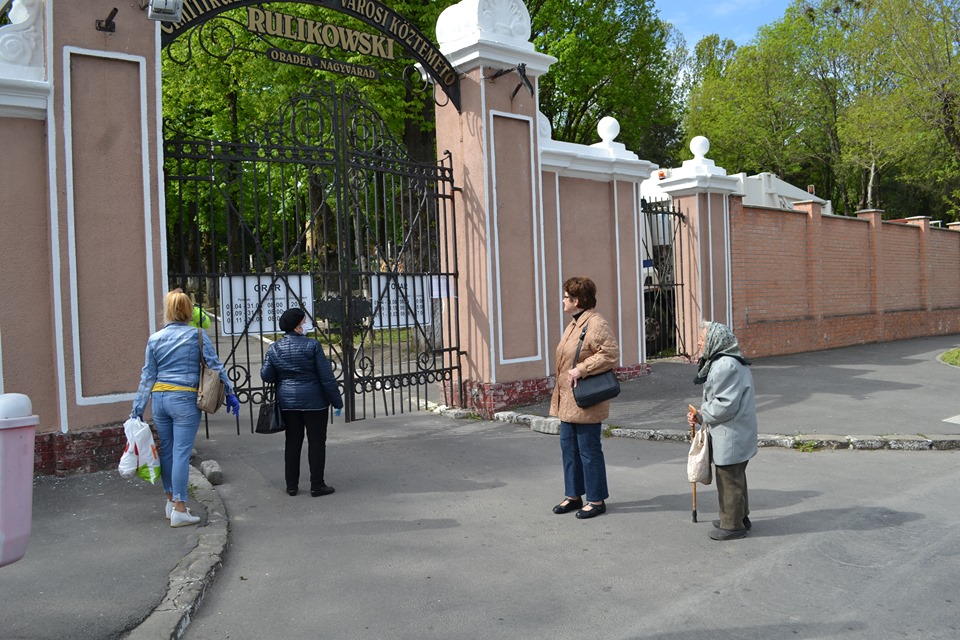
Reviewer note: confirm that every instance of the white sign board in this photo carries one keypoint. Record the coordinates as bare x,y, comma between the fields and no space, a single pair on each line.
240,295
400,301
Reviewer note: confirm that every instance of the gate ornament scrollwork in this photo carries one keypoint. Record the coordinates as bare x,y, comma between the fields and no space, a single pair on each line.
323,193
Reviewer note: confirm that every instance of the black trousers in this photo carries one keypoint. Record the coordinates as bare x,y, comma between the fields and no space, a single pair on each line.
732,492
314,423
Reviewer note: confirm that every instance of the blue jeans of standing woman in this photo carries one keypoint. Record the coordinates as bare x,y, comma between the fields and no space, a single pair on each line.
584,470
177,418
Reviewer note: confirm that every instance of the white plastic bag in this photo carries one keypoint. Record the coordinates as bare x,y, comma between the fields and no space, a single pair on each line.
140,456
698,460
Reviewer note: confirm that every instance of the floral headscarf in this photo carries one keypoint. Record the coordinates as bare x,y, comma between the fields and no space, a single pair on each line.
719,342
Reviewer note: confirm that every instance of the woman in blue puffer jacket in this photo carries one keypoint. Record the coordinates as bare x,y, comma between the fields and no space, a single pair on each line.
305,390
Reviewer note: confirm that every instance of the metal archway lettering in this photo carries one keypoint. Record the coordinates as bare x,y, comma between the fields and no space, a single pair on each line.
382,18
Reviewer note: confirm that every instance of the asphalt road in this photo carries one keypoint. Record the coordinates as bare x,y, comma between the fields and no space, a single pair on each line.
443,529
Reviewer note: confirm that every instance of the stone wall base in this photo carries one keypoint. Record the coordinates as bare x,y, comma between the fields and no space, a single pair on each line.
802,335
487,399
65,454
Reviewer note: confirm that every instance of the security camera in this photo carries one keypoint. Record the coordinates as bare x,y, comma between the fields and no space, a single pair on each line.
165,10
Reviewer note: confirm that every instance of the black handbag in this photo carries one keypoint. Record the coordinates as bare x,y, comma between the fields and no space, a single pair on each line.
270,419
594,389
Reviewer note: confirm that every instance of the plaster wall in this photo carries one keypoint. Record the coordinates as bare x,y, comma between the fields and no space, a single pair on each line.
27,352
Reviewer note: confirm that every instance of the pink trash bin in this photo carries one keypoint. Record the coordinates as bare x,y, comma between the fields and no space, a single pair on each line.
17,428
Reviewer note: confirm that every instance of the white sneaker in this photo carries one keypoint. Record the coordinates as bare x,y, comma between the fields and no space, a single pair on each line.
179,519
168,509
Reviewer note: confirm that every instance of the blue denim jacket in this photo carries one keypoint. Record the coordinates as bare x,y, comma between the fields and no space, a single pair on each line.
173,355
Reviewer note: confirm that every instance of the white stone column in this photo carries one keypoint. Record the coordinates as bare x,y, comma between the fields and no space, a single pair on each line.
494,145
705,194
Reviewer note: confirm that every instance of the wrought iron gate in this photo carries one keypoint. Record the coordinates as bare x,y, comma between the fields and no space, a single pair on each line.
321,208
663,297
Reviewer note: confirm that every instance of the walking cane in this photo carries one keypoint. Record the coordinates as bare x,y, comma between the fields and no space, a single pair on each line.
693,433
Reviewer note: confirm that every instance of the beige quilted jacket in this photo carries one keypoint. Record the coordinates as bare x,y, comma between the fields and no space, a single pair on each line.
600,353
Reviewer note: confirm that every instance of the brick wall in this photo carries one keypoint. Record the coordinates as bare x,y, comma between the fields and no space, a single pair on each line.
487,398
64,454
804,282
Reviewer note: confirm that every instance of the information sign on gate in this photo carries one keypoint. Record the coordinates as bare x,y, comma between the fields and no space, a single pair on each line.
400,301
241,295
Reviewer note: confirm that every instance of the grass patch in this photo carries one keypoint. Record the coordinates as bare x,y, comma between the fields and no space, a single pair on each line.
608,431
805,446
952,357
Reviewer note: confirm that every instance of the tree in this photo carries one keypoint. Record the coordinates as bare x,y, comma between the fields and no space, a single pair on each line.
612,60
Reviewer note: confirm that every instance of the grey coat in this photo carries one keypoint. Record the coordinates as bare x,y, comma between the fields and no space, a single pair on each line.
730,411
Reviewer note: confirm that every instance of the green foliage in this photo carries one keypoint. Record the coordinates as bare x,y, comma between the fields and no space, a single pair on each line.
860,98
952,357
217,78
612,60
805,446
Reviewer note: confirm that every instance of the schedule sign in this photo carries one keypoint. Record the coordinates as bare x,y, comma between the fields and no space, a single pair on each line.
401,301
241,295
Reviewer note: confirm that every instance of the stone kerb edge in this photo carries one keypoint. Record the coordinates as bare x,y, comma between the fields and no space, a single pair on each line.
904,442
194,573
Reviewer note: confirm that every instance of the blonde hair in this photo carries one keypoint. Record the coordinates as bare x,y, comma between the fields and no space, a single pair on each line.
177,307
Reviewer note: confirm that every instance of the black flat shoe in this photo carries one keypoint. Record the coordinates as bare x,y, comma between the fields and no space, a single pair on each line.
321,491
746,523
568,505
595,510
728,534
292,492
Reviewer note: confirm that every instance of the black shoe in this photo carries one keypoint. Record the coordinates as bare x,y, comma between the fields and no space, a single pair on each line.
322,490
595,510
568,505
292,492
746,523
728,534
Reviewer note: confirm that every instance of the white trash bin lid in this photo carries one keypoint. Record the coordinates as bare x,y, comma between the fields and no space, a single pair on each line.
16,411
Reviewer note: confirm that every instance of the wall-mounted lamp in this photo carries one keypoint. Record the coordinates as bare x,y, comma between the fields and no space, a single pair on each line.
165,10
108,25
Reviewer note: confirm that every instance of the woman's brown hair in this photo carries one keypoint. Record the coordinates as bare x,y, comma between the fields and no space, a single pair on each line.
177,307
583,289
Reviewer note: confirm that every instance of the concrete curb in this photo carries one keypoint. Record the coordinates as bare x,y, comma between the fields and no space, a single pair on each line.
192,576
801,442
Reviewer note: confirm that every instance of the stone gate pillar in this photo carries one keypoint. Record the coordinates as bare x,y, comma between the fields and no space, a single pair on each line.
494,144
706,195
81,246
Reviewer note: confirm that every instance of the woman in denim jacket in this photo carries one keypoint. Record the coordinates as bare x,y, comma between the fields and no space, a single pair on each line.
171,373
305,390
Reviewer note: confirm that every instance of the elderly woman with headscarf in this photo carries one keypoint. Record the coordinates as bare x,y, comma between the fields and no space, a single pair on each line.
306,388
730,412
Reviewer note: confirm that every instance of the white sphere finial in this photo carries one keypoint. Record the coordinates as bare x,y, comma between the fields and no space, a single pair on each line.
608,128
699,147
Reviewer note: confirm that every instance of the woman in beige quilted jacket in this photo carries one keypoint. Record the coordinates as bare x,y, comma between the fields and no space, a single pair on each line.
584,470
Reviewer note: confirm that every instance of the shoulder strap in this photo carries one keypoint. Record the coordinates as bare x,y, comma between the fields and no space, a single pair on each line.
200,340
583,334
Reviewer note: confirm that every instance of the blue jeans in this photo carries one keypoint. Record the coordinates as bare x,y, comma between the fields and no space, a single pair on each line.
584,470
177,418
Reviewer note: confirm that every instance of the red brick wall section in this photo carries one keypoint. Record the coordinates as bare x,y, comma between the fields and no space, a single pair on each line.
768,264
64,454
900,269
486,399
776,313
943,252
846,282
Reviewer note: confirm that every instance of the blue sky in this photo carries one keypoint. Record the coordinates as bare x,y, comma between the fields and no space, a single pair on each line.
734,19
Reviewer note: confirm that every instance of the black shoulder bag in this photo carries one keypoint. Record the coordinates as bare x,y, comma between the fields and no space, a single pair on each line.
597,388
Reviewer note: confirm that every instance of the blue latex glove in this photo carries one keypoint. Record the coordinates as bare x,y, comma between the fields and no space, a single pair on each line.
337,412
233,405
